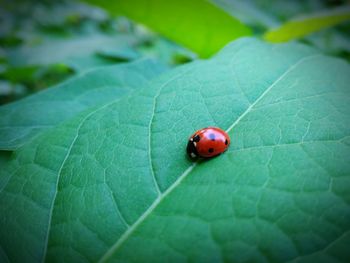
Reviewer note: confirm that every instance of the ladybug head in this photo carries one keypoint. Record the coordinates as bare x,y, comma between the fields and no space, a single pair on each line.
191,149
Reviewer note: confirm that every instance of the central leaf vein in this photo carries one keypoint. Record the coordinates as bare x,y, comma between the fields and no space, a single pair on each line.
133,227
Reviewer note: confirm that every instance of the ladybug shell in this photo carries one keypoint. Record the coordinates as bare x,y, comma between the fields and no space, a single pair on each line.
208,142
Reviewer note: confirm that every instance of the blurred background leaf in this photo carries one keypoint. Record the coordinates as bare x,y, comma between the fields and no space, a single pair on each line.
66,50
307,24
262,16
196,24
45,42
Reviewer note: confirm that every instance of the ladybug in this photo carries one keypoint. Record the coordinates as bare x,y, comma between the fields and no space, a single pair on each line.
208,142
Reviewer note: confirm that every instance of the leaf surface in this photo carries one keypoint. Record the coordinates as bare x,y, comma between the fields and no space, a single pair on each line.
114,184
24,119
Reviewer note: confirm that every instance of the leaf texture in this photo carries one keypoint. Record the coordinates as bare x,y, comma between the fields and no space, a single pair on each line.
114,184
24,119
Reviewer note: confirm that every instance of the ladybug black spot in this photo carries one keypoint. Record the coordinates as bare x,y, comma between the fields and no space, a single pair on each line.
196,138
210,150
211,136
226,142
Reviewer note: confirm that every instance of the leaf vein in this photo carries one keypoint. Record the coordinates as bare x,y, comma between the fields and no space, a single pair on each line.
60,171
285,144
125,236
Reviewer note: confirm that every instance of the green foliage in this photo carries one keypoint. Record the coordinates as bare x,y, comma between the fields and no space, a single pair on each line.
45,43
308,24
66,51
332,41
262,15
113,183
26,118
94,168
196,24
249,13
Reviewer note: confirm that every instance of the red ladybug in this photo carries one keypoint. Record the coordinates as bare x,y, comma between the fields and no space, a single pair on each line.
207,143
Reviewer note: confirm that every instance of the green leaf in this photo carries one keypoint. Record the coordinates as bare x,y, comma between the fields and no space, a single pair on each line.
81,64
167,52
308,24
66,50
26,118
196,24
114,183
